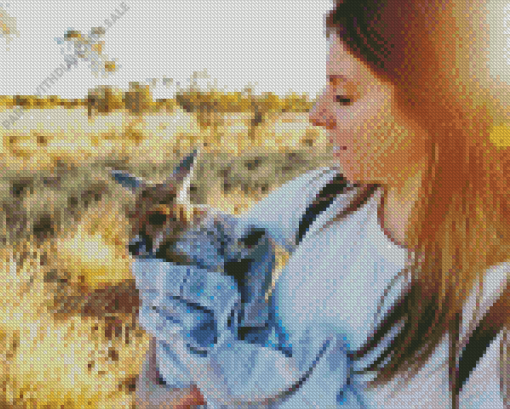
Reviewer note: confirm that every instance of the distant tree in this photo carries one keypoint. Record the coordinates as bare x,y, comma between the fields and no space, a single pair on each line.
104,99
139,98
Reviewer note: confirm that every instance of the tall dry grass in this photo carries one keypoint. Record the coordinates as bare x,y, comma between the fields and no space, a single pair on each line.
68,321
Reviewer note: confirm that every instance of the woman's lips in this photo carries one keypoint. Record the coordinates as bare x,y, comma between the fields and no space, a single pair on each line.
337,149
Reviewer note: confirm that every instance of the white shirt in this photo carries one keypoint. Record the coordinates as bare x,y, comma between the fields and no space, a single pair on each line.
325,302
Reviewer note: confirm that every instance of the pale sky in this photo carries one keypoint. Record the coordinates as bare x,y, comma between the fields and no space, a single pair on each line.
276,46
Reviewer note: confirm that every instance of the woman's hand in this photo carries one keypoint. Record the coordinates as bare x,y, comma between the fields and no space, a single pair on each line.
152,395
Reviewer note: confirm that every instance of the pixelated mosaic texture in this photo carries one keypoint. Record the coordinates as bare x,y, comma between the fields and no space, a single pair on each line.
69,302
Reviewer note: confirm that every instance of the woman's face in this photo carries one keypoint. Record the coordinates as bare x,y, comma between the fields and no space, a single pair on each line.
376,143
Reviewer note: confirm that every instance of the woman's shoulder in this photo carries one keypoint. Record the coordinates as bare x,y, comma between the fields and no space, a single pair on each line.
299,191
281,211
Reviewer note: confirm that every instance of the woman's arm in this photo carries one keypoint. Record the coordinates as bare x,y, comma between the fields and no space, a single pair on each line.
152,395
237,374
230,372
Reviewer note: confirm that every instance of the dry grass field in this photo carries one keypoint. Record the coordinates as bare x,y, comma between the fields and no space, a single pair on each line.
69,336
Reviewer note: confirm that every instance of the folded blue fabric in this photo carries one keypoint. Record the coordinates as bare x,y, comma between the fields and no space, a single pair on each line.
189,299
221,295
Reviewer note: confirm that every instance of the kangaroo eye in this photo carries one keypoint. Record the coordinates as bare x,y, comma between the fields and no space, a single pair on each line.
157,219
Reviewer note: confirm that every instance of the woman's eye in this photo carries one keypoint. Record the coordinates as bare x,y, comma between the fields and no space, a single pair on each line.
343,100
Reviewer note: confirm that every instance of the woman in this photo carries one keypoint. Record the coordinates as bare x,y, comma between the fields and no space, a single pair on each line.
375,305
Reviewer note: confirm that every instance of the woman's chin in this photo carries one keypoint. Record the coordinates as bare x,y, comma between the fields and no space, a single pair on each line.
357,178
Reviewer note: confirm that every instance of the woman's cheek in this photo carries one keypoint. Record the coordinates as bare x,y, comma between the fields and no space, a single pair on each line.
364,158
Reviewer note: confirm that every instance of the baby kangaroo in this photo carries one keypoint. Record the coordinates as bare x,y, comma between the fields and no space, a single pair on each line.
166,227
162,212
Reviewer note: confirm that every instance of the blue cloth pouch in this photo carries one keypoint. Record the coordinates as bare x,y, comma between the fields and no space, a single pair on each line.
223,291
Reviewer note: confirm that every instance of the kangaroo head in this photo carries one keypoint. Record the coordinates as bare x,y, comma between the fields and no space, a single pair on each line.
162,211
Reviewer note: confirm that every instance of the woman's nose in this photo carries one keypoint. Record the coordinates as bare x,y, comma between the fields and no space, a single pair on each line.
320,116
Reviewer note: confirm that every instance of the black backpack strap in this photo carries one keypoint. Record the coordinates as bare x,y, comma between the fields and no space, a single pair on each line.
474,351
322,201
481,338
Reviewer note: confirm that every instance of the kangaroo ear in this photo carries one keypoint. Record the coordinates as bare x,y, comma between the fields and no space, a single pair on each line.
127,180
182,175
185,168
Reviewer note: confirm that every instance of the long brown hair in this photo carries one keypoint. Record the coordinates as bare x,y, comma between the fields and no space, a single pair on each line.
460,225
